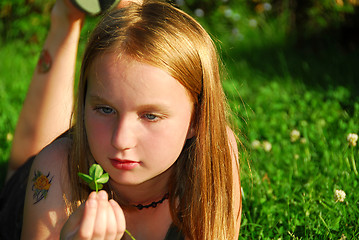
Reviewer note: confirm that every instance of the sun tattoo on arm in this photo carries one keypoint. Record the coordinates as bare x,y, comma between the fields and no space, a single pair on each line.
40,185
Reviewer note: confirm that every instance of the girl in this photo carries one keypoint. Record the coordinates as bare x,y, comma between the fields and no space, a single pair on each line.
151,111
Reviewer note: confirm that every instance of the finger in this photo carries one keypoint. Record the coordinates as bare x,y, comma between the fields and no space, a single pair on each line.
101,216
111,228
120,219
89,217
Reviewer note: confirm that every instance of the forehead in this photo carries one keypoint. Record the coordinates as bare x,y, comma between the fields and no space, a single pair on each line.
112,75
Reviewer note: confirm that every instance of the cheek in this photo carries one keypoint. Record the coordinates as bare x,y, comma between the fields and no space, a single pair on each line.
168,141
97,133
164,151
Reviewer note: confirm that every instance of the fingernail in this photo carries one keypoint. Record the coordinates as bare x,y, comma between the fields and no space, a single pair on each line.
92,202
102,195
93,195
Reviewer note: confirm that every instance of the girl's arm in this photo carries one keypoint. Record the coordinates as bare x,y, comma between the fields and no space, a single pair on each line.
44,209
47,109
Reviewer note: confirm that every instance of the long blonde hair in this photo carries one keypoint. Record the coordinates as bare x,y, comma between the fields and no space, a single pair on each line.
159,34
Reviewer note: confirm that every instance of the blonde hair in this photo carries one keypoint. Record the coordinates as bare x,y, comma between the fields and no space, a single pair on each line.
157,33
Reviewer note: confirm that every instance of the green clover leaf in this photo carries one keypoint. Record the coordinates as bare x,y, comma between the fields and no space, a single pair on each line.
86,178
96,177
96,171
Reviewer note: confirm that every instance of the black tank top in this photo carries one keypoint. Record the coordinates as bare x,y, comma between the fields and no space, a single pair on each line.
174,234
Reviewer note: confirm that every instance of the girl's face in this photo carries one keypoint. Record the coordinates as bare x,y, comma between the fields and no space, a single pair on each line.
137,119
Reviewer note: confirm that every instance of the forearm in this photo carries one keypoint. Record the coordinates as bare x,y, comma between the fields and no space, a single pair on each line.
48,105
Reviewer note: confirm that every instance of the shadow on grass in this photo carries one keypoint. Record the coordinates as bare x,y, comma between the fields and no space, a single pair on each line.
321,63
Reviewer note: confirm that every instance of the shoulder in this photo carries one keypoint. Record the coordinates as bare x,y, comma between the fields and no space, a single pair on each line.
52,163
232,141
54,155
44,210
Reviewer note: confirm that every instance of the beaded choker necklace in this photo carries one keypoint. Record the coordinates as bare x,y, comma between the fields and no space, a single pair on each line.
153,204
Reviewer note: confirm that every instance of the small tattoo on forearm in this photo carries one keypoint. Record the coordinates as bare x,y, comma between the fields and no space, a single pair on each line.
41,185
45,62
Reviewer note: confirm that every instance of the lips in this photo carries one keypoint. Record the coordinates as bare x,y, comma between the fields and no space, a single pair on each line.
124,164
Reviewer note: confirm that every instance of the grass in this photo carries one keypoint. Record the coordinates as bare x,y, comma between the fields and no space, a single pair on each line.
289,189
273,88
16,67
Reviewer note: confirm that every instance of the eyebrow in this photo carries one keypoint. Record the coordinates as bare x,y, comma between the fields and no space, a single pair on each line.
161,107
96,98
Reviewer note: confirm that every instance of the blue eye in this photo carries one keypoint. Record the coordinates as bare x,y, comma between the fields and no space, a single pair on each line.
150,117
105,110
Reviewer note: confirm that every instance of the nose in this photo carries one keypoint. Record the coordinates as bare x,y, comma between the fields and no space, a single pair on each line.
123,136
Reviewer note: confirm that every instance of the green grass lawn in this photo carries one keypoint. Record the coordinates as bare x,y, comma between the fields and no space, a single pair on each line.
17,63
273,88
289,181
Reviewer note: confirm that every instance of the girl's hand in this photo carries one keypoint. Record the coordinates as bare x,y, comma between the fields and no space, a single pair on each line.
97,218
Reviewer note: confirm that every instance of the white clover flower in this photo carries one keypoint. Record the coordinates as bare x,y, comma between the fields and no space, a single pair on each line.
339,195
236,16
199,12
267,7
352,138
9,137
253,23
303,140
267,146
228,12
294,135
256,144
